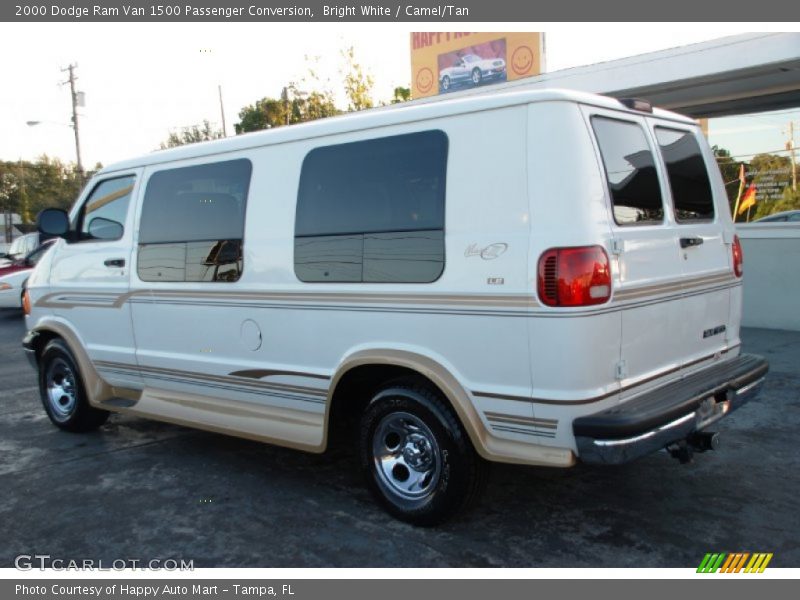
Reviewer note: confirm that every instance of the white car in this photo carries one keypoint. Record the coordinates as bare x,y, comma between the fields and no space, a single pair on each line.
472,69
11,288
13,277
19,248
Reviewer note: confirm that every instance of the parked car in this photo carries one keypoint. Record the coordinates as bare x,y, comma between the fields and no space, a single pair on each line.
580,301
14,276
473,69
26,262
790,216
20,248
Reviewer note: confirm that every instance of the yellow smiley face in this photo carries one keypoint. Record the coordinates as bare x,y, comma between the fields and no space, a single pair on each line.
522,60
425,80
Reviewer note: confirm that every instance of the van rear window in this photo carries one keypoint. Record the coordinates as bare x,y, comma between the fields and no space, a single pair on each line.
630,172
373,211
688,176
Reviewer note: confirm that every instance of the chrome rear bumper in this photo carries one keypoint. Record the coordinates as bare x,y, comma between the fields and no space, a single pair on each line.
670,413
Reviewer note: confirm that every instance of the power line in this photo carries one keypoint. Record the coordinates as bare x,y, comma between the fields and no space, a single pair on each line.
751,154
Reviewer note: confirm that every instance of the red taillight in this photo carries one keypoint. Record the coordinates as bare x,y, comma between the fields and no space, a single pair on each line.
738,257
574,276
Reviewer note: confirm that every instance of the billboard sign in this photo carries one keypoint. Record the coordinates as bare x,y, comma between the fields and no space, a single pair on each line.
443,62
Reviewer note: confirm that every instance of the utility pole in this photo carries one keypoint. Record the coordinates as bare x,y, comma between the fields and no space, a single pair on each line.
222,112
790,148
71,68
285,98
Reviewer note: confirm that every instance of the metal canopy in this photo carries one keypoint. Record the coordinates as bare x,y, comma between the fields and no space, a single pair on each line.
727,76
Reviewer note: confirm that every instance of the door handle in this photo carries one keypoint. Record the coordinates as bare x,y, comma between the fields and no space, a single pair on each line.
114,262
688,242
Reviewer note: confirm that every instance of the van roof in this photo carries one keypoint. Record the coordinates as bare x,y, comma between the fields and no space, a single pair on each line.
374,118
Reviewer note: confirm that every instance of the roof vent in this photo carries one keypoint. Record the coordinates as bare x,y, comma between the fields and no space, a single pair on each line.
637,104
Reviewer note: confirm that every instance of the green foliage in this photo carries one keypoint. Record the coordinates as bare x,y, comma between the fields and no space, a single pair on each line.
357,83
312,98
401,94
729,169
295,107
264,114
29,187
772,175
192,135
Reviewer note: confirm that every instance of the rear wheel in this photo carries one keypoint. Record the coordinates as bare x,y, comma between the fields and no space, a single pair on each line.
417,459
63,393
445,83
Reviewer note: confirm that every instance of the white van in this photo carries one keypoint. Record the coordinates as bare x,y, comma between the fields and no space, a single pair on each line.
535,278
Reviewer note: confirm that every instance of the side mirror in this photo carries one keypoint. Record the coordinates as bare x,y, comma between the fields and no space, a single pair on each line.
53,222
105,229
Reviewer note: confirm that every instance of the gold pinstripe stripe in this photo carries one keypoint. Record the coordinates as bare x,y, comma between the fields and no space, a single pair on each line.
244,382
495,417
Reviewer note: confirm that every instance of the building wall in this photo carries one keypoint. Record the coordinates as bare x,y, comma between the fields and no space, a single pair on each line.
771,275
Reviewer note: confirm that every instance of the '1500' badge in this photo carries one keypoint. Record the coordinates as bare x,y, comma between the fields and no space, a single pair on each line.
713,331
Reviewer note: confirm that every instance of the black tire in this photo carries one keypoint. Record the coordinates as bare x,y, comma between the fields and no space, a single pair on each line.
477,76
445,83
416,457
63,393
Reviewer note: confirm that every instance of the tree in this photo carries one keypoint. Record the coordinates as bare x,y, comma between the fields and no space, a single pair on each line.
729,169
294,107
357,83
28,187
772,176
192,135
315,99
401,94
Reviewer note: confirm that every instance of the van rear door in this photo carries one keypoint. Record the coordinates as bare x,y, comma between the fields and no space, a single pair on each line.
647,285
705,235
669,245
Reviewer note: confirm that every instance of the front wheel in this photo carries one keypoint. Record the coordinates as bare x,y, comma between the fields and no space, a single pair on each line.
63,393
417,459
477,76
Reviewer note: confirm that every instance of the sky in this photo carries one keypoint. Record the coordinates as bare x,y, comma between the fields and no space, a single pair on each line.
144,80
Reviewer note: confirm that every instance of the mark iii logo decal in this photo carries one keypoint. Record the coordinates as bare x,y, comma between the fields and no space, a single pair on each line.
489,252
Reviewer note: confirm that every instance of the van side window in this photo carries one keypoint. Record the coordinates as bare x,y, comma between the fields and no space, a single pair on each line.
102,217
192,224
630,172
373,211
688,176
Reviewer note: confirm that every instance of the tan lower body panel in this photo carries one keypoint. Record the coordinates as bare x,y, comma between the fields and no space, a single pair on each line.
281,426
292,428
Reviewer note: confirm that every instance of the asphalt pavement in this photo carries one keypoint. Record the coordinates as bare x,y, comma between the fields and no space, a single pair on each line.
142,490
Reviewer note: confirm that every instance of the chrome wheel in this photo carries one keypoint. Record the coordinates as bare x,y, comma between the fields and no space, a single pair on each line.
61,389
476,76
407,456
446,83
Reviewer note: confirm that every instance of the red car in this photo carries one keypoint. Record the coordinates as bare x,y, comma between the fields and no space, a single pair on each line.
28,262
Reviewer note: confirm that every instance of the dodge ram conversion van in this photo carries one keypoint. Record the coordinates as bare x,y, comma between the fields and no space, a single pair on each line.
536,278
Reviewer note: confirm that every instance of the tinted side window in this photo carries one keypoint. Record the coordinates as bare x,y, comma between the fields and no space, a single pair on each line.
688,177
630,172
103,214
373,211
192,224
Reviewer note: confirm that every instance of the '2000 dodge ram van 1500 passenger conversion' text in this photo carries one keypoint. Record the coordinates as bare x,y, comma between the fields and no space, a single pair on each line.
536,278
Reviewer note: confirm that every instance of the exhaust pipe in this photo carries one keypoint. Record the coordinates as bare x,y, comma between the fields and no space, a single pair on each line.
701,441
